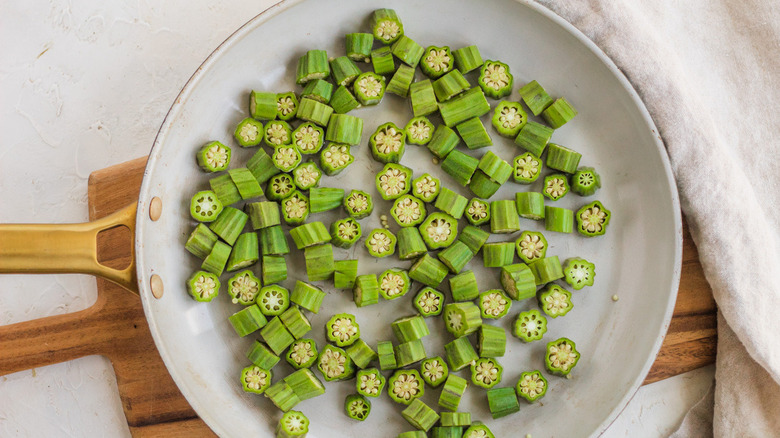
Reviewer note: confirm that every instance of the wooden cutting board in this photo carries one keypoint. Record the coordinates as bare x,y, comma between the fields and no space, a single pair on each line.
115,326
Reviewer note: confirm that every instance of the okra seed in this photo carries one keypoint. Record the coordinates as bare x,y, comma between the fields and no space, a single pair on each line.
435,160
615,298
155,209
383,217
157,286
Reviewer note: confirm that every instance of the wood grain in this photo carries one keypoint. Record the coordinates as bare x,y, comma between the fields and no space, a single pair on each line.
115,326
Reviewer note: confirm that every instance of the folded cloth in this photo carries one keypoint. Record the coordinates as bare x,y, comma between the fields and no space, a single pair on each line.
709,73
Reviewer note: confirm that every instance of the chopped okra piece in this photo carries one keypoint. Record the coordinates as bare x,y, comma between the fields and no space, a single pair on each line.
555,301
305,384
286,105
307,296
456,419
429,302
464,286
335,158
495,79
518,281
358,204
273,241
436,61
245,182
386,26
478,430
358,46
531,245
201,241
295,321
450,85
295,208
502,402
460,166
451,203
249,133
343,101
408,211
246,252
404,386
213,157
530,205
344,70
401,81
293,424
361,353
273,300
410,328
474,134
276,336
205,206
335,364
509,118
504,217
386,353
248,320
419,131
462,319
393,181
434,371
473,237
560,220
439,230
561,356
410,352
369,88
277,133
255,379
422,98
420,415
556,186
486,372
492,341
319,262
343,128
426,187
286,158
482,185
314,111
319,90
562,158
527,168
370,382
261,356
282,396
325,198
477,211
382,60
558,113
203,286
592,219
342,329
408,51
262,105
578,272
535,97
453,390
534,137
460,353
357,407
495,167
444,140
410,243
546,270
412,434
494,304
380,242
428,271
393,283
456,256
307,175
345,232
345,273
365,292
229,224
585,181
263,214
387,143
313,65
467,59
274,269
262,166
530,326
532,386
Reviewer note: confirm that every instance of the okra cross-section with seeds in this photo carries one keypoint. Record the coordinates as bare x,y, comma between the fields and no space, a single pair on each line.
578,272
532,386
293,424
358,204
429,302
530,326
387,143
426,187
203,286
302,354
404,386
527,168
370,382
342,329
286,105
478,430
295,208
434,371
205,206
494,304
585,181
345,232
408,211
592,219
213,157
561,356
419,130
279,187
286,158
307,175
380,242
273,300
386,26
556,186
478,211
436,61
486,372
509,118
255,379
277,133
439,230
357,407
495,79
244,288
335,364
335,158
308,138
393,181
555,301
369,88
249,132
461,319
393,283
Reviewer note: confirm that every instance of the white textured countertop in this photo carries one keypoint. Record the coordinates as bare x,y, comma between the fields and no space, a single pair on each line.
85,85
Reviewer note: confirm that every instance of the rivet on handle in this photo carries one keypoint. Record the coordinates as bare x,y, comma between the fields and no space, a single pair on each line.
157,286
155,208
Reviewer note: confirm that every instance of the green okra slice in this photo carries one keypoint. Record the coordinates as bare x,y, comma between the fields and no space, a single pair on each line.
426,187
286,158
495,167
486,372
345,232
245,253
464,286
534,137
295,208
518,281
262,105
473,237
451,393
201,241
344,70
422,98
263,214
273,241
244,288
387,143
429,302
447,432
361,353
493,304
365,292
456,419
286,105
393,283
405,386
319,90
531,245
386,353
380,242
478,211
535,97
262,356
345,273
434,371
343,128
307,296
369,88
482,185
357,407
343,101
467,59
248,320
492,341
556,186
205,206
249,133
555,301
408,211
530,326
370,382
382,60
437,61
407,51
502,402
509,118
560,220
460,353
245,182
335,158
282,396
561,356
311,110
401,81
592,219
585,181
313,65
335,364
325,198
295,322
504,217
276,336
527,168
213,157
217,259
546,270
474,134
307,175
408,353
277,133
531,386
319,262
358,204
450,85
262,166
410,328
558,113
358,46
495,79
419,131
386,26
255,379
478,430
305,384
462,318
456,256
410,243
393,181
203,286
562,158
274,269
578,272
439,230
460,166
342,329
420,415
530,205
273,300
444,140
428,271
451,202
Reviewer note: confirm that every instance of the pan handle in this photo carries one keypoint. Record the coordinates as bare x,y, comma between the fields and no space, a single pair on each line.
65,248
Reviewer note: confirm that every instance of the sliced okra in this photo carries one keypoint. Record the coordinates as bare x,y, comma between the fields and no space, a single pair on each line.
380,242
386,26
420,415
450,85
305,384
345,273
393,181
426,187
478,430
531,245
319,262
343,128
286,105
344,70
534,137
229,224
429,302
245,182
273,241
451,393
558,113
307,175
504,217
365,292
313,65
495,79
410,328
562,158
492,341
502,402
386,353
467,59
261,356
205,206
358,46
473,237
245,253
276,336
248,320
201,241
578,272
244,288
509,118
262,105
556,186
535,97
319,90
460,353
518,281
369,88
434,371
343,101
263,214
249,133
592,219
282,396
357,407
273,300
382,60
286,158
495,167
401,81
408,353
262,166
561,220
532,386
393,283
555,301
474,134
456,256
203,286
410,243
307,296
295,322
428,271
561,356
370,382
460,166
422,98
486,372
419,131
408,211
444,140
295,208
527,168
478,211
345,232
530,326
335,158
325,198
493,304
213,157
530,205
277,133
408,51
274,269
311,110
387,143
342,329
255,379
456,419
462,319
404,386
585,181
546,270
293,424
439,230
463,286
482,185
361,353
436,61
451,202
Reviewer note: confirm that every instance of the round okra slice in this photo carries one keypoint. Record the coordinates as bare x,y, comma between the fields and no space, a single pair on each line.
532,386
244,288
357,407
345,232
578,272
478,430
434,371
308,138
342,329
556,186
249,133
279,187
393,181
486,372
439,230
369,88
561,356
273,300
509,118
286,105
205,206
335,364
494,304
213,157
380,242
370,382
286,158
386,26
335,158
293,424
203,286
461,319
358,204
255,379
302,354
478,211
592,219
295,208
429,302
387,143
404,386
436,61
555,301
531,245
426,187
527,168
419,131
495,79
394,283
530,326
585,181
307,175
408,211
277,133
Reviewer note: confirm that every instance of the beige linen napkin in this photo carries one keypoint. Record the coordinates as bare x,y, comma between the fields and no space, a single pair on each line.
709,73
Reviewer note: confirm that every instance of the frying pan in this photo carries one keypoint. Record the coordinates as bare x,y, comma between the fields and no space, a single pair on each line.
638,259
